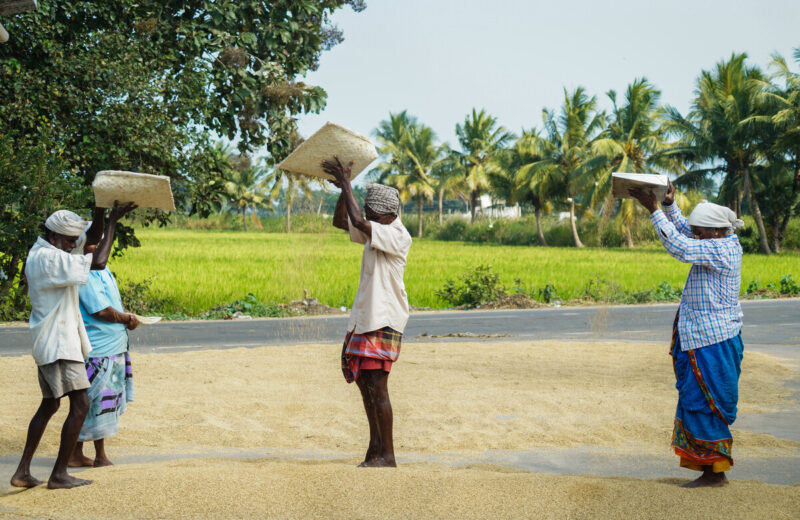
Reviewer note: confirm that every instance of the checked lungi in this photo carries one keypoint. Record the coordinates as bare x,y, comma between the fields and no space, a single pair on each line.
375,350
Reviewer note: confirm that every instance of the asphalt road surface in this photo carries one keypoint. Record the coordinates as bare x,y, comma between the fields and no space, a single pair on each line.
774,324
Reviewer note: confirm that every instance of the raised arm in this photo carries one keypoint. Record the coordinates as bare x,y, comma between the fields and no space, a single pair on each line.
101,254
673,213
95,232
342,175
681,247
340,213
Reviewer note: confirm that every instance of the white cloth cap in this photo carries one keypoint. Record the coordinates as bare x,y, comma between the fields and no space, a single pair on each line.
65,222
710,215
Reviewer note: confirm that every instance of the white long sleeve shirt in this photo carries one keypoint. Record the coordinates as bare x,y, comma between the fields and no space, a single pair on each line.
53,278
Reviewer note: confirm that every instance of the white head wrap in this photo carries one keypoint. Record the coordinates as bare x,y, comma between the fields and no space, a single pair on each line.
382,199
65,222
710,215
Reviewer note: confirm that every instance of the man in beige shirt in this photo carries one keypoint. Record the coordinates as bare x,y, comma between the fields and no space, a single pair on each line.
380,310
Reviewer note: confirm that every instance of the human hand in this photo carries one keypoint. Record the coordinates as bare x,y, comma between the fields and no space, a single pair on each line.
669,197
119,210
338,171
132,323
645,197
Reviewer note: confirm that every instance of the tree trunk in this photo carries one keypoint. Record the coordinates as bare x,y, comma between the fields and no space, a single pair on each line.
780,230
419,213
473,201
288,217
575,236
441,196
244,220
751,199
628,237
537,211
319,208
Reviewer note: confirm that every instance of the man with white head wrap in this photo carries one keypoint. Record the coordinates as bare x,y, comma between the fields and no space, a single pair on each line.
706,342
54,269
380,310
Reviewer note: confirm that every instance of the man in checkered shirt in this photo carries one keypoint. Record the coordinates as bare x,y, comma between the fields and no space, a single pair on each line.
706,344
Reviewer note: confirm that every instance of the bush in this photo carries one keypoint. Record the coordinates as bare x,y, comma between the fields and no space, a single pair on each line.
476,286
138,298
789,286
250,306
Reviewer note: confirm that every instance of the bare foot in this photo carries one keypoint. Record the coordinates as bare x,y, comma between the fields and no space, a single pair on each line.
378,463
102,462
25,480
80,461
708,479
66,482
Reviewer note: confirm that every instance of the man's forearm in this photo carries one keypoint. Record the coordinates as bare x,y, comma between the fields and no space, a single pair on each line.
113,315
101,254
340,213
353,211
95,231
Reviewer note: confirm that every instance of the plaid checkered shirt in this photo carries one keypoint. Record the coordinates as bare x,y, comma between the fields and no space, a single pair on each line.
709,310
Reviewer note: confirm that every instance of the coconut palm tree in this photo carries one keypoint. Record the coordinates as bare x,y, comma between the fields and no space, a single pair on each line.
291,186
448,178
565,163
782,122
411,154
716,134
633,142
244,190
480,138
515,184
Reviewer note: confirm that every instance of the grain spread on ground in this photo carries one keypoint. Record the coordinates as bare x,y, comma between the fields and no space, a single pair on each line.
291,403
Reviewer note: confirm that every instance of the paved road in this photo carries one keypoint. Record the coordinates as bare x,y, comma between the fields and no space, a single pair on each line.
773,323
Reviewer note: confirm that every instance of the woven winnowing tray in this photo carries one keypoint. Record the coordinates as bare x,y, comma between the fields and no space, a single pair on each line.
622,182
330,140
144,190
9,7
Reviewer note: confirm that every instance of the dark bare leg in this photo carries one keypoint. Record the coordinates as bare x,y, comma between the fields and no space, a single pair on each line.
78,408
78,459
708,479
100,457
374,448
22,477
377,386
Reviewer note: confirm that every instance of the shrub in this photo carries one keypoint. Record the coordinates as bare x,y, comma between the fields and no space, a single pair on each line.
476,286
788,285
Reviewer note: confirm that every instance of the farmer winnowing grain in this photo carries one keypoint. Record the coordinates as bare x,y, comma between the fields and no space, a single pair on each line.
706,340
380,310
54,269
109,365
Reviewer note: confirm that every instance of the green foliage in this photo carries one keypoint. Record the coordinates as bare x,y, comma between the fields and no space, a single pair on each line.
789,286
34,184
476,286
547,294
138,297
250,306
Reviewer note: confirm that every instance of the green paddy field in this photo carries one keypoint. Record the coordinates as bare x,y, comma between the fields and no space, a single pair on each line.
198,270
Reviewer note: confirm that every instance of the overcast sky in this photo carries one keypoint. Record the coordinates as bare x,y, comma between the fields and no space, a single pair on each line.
441,58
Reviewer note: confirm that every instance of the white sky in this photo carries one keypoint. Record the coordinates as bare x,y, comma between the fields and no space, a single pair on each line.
441,58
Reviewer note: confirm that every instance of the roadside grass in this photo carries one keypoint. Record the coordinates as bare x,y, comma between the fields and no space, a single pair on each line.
194,271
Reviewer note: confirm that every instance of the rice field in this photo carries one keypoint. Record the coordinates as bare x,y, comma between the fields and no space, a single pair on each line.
198,270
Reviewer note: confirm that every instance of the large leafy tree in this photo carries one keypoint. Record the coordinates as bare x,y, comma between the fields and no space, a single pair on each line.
565,163
480,138
145,85
633,142
716,135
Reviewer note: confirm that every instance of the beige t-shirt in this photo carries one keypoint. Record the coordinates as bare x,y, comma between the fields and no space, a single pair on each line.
381,300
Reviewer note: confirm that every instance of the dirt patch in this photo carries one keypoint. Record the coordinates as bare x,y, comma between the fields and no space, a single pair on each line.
514,301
